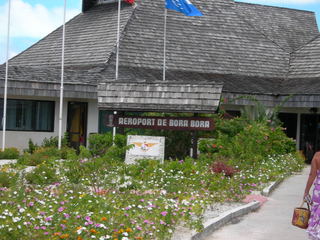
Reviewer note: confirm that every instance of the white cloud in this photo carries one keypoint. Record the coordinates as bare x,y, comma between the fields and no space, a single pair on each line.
285,1
32,21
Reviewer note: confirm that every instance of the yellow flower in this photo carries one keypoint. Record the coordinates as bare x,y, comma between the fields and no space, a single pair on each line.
66,235
128,230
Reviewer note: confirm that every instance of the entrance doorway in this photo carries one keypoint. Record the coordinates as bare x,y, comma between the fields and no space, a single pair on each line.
77,123
310,135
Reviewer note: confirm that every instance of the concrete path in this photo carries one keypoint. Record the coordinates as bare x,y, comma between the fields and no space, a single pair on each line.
273,220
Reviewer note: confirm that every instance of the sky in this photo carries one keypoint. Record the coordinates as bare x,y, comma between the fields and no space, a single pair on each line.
32,20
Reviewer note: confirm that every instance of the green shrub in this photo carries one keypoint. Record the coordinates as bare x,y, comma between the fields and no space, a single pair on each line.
31,146
101,144
53,141
84,152
9,153
68,153
8,179
43,174
40,155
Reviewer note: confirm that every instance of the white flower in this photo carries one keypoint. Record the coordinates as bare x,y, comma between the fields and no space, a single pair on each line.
21,210
16,219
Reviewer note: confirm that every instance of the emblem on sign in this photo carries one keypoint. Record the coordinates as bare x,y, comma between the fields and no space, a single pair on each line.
144,146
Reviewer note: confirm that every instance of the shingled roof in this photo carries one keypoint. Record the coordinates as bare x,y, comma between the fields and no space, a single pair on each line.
305,63
33,81
248,47
160,96
288,28
90,39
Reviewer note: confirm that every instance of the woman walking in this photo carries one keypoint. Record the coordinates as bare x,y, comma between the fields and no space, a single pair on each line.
313,229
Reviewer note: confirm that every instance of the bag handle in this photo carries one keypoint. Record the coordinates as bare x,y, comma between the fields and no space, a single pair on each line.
308,205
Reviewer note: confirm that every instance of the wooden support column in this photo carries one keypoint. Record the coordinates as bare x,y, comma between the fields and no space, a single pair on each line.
121,129
195,141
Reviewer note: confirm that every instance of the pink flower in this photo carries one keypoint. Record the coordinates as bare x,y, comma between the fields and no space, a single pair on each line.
30,204
162,222
60,209
164,213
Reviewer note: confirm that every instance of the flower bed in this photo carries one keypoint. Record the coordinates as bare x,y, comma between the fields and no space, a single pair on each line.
94,195
142,201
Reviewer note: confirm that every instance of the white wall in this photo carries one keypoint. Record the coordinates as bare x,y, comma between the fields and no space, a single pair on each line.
93,117
19,139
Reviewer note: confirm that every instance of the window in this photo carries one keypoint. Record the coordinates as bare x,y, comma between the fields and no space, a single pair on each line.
29,115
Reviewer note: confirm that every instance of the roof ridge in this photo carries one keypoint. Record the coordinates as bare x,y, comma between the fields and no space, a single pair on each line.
285,8
122,34
259,31
307,43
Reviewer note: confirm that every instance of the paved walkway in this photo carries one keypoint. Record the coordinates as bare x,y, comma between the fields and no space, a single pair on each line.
273,219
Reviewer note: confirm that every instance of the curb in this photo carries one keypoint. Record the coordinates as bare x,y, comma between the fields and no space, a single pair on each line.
268,190
7,161
213,224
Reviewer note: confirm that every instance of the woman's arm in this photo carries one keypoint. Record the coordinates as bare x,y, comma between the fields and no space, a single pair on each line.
312,174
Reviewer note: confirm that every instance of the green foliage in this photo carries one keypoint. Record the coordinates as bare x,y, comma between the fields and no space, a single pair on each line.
40,155
84,152
242,141
53,141
8,179
9,153
43,174
68,153
31,146
101,145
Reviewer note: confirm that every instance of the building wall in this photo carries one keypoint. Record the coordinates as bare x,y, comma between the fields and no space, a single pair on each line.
19,139
93,117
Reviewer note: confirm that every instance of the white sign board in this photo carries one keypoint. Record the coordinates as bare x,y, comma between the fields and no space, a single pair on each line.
145,147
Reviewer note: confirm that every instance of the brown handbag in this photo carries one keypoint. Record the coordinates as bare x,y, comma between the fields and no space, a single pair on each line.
301,216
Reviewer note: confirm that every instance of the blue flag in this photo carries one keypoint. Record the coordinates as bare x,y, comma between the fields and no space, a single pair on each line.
183,6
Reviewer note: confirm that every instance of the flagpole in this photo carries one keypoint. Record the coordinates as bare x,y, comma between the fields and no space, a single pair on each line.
164,44
114,129
118,39
62,74
4,118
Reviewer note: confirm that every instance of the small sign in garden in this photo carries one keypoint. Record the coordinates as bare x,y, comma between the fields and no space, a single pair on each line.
145,147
